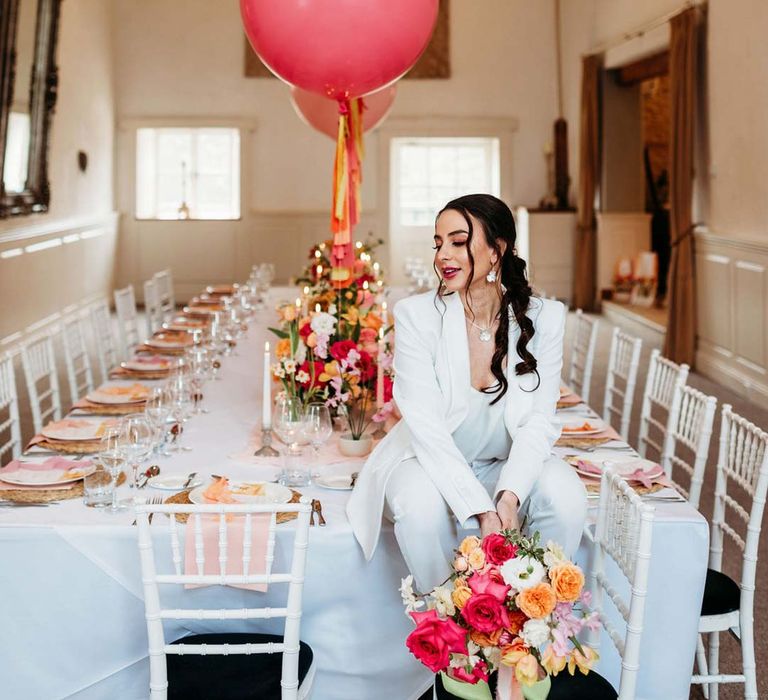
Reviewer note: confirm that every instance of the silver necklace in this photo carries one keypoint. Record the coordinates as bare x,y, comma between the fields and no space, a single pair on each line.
485,333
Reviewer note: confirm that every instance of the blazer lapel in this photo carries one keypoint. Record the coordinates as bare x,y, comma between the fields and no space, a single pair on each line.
453,370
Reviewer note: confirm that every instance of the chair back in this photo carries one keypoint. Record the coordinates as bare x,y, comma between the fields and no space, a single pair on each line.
127,320
101,325
76,359
583,354
10,429
623,533
664,376
39,363
153,312
164,285
623,363
742,462
691,430
226,515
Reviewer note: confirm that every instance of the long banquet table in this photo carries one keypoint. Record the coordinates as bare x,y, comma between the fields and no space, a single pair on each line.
71,611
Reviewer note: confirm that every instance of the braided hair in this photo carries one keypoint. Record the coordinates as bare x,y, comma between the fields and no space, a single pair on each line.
498,224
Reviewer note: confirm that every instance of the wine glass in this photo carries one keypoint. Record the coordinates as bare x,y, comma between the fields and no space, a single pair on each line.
112,458
317,429
182,404
289,424
136,441
158,410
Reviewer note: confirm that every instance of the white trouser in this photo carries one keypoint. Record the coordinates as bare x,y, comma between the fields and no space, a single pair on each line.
427,532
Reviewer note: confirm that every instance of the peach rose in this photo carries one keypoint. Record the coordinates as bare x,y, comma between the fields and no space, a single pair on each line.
312,340
469,544
512,653
476,559
460,564
567,581
289,313
461,593
527,670
486,640
537,601
283,348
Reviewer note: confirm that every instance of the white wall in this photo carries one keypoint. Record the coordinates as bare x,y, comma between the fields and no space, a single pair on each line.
190,64
36,284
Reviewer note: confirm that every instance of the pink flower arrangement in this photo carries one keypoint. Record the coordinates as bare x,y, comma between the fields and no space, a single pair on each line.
509,603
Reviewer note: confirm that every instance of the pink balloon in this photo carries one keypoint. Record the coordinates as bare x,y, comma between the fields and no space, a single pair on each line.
339,48
322,113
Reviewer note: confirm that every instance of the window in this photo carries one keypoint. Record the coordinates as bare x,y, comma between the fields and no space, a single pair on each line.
16,152
428,172
188,173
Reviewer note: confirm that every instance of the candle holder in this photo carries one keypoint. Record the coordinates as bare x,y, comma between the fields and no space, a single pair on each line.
266,449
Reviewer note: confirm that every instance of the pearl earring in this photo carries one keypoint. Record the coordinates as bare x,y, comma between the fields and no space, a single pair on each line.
491,276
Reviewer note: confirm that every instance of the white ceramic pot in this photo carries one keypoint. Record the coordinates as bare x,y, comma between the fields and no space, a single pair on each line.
355,448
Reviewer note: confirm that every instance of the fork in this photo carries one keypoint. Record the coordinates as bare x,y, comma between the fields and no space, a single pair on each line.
154,501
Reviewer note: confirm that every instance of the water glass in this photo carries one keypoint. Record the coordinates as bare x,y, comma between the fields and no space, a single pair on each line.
288,422
136,441
98,488
111,457
318,427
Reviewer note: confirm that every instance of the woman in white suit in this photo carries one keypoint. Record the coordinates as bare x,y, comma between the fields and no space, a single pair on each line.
477,379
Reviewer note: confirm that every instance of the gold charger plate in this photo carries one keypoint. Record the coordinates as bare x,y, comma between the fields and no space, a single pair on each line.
46,495
182,498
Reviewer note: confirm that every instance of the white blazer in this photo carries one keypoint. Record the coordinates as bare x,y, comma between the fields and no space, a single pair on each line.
432,386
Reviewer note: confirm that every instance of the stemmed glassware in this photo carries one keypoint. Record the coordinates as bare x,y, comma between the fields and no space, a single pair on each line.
136,440
158,411
180,394
112,458
318,427
289,423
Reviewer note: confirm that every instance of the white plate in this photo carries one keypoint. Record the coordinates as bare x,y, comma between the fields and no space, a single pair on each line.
621,464
147,366
53,477
75,429
162,343
100,396
336,482
598,426
273,493
173,482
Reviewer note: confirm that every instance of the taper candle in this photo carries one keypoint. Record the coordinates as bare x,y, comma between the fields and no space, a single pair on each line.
380,371
266,392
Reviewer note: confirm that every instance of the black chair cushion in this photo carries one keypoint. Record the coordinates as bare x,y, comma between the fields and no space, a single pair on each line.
721,594
580,687
231,677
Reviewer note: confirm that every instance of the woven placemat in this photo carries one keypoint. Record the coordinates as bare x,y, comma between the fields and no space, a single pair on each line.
153,350
182,498
581,443
46,495
71,447
122,373
104,409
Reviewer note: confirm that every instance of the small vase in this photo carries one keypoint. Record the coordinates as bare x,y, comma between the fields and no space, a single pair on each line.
350,447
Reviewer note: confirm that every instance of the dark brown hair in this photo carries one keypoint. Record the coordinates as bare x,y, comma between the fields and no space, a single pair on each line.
498,225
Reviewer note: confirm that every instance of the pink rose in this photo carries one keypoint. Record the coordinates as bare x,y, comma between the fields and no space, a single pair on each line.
479,672
490,583
497,549
369,340
485,613
434,639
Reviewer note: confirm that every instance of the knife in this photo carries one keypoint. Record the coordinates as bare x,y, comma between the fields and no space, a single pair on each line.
189,480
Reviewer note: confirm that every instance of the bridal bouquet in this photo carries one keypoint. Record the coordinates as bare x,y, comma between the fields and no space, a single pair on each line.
510,606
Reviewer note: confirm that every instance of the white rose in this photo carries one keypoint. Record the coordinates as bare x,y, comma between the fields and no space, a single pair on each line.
522,572
535,633
322,323
440,600
554,554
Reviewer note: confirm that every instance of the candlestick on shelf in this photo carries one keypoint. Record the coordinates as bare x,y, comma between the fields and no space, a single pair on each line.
266,449
318,254
365,285
380,432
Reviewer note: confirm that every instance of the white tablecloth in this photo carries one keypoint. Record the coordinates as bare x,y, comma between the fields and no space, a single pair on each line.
72,617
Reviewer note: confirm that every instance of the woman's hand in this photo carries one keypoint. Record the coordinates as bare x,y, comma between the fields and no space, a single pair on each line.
489,522
506,509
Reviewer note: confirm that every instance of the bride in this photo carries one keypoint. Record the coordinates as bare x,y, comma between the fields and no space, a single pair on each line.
477,378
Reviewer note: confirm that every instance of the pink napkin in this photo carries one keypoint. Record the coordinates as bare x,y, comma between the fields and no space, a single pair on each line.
149,359
235,535
608,433
643,476
570,399
47,465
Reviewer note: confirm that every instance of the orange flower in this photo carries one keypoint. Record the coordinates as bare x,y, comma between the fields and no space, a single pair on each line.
283,348
567,580
469,544
527,670
486,640
312,340
461,593
517,619
537,601
583,662
371,320
551,662
289,312
476,559
512,653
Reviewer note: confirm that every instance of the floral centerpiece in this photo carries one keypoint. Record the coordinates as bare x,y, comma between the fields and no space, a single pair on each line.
318,271
511,606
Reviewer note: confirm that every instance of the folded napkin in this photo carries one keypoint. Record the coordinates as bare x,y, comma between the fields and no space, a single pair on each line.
218,492
135,391
44,468
150,359
645,477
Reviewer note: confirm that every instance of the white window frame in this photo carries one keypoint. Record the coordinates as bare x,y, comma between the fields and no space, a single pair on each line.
402,242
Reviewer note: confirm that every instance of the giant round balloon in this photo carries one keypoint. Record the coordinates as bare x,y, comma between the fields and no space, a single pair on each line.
322,113
339,48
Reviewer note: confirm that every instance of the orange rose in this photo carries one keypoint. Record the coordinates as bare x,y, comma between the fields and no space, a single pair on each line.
516,621
289,313
371,320
567,580
512,653
486,640
476,559
537,601
283,348
312,340
461,593
468,545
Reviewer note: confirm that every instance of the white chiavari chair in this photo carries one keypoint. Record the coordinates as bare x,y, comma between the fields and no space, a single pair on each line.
101,325
164,283
9,412
582,354
690,429
127,320
153,311
273,664
624,533
76,359
664,376
742,463
623,363
39,363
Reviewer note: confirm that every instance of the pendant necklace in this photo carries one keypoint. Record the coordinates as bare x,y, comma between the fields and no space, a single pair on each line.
485,333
